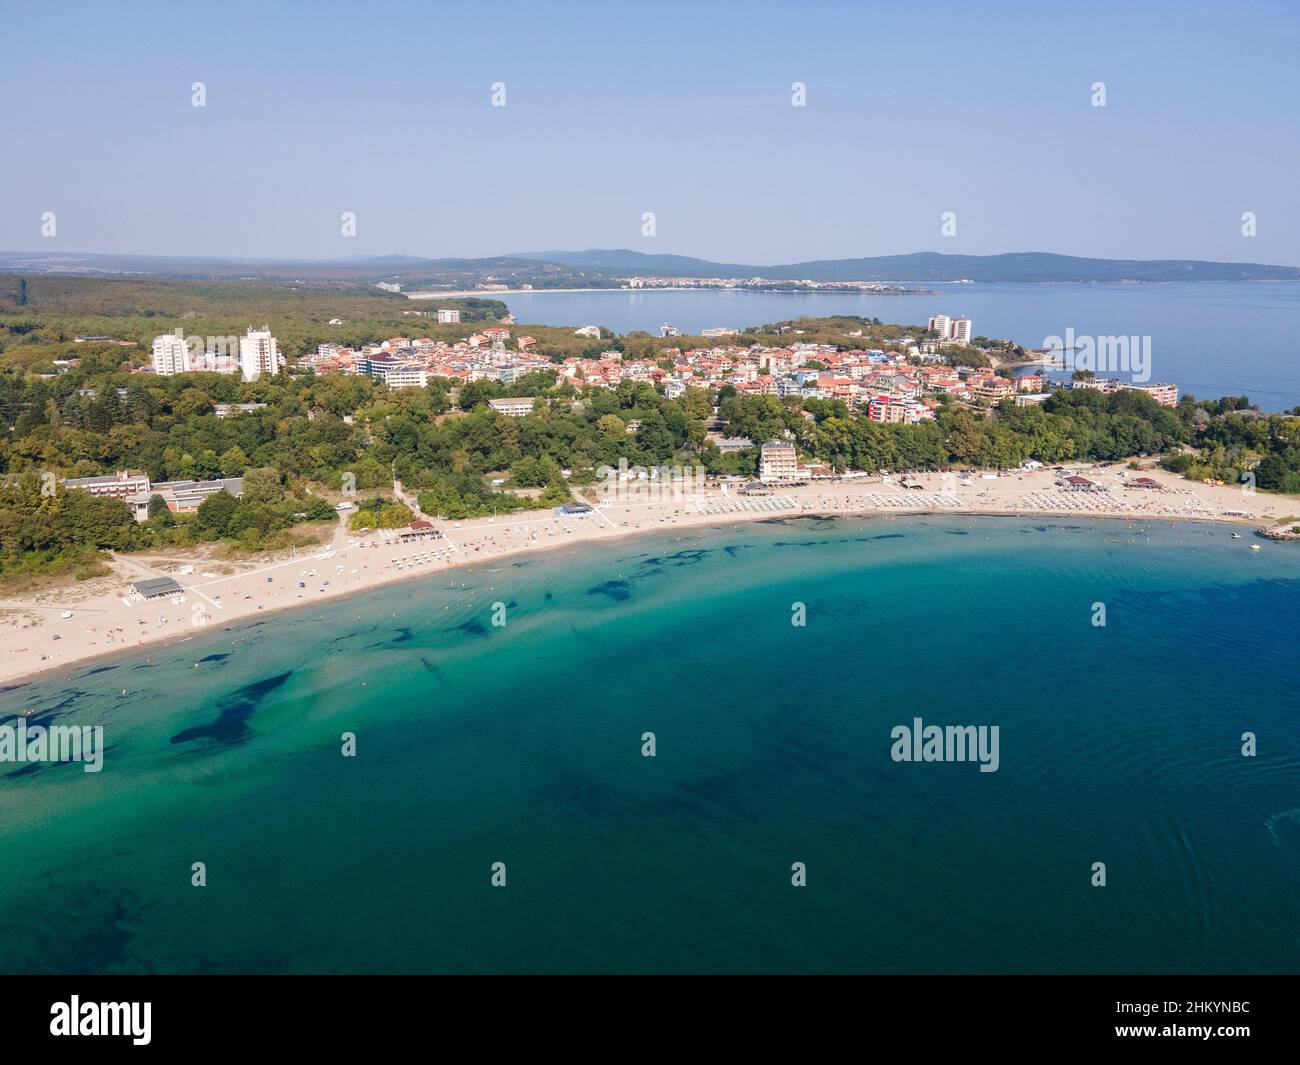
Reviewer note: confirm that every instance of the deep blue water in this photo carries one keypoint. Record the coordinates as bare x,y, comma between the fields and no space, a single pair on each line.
522,744
1210,339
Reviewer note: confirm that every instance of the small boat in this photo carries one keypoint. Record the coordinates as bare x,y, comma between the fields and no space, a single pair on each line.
1236,536
1254,547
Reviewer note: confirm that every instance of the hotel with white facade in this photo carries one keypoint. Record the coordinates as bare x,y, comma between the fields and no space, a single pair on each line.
258,354
171,355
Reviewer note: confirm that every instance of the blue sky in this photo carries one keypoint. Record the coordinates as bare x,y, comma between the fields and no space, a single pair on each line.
682,109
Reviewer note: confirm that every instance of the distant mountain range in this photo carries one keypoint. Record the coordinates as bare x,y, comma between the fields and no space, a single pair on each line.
605,268
926,266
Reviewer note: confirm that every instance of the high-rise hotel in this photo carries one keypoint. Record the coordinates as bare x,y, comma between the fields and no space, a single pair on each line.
956,330
171,355
258,354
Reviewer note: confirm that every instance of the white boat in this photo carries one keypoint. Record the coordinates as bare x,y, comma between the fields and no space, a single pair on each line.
1236,536
1254,547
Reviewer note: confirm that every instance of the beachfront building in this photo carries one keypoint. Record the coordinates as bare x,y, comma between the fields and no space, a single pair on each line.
777,461
420,529
729,445
519,407
121,484
171,355
258,354
155,588
183,497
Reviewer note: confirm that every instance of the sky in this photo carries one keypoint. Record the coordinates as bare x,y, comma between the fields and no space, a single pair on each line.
684,110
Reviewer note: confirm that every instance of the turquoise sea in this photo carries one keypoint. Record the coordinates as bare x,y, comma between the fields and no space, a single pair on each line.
522,744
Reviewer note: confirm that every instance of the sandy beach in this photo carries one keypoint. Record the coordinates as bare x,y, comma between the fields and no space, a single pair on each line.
36,638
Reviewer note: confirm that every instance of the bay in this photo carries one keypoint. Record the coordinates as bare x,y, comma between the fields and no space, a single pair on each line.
522,744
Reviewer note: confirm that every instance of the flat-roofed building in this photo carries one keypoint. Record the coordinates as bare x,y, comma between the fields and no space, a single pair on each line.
225,410
120,484
519,407
777,461
155,588
171,355
258,354
184,497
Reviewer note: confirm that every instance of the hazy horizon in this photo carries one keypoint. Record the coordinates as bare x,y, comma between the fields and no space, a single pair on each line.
718,259
684,111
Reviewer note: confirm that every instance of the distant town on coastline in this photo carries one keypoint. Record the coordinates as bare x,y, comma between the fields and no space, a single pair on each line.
246,428
624,268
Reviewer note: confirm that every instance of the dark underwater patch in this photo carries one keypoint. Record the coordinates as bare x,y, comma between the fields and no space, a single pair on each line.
216,658
890,536
473,628
100,669
619,591
686,557
231,724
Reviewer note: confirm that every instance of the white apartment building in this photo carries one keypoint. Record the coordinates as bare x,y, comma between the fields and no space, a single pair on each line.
171,355
258,354
448,316
957,330
120,484
777,462
404,377
519,407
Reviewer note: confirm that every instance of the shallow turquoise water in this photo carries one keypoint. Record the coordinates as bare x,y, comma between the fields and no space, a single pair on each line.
522,744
